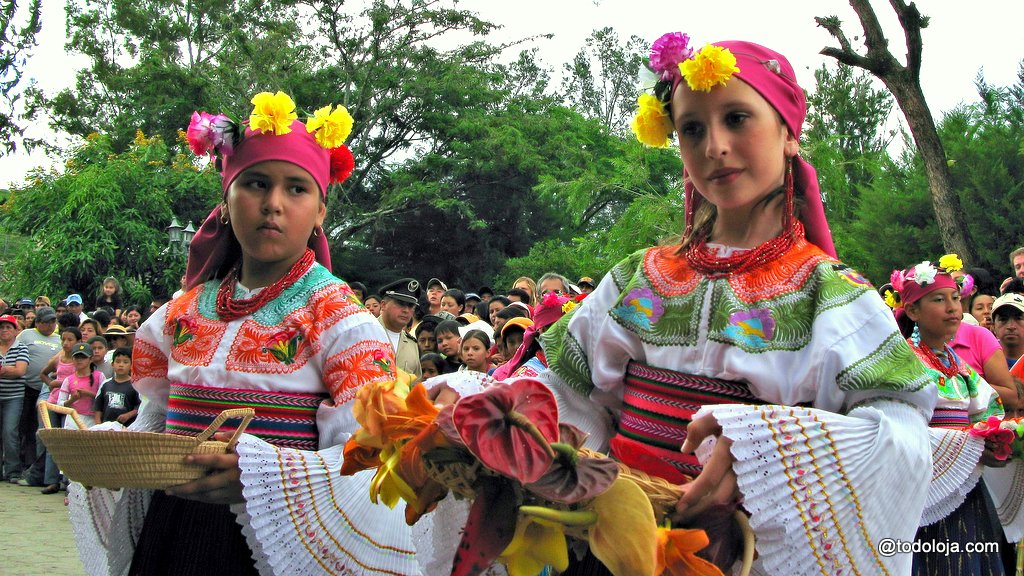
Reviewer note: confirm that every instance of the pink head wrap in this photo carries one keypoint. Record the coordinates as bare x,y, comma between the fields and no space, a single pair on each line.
911,286
545,314
772,76
214,247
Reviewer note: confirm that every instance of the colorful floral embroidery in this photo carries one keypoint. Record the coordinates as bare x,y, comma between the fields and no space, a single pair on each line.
147,361
641,307
283,345
381,359
349,370
751,327
855,278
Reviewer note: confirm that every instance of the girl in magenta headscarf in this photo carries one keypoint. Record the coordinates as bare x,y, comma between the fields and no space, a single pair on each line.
264,324
751,333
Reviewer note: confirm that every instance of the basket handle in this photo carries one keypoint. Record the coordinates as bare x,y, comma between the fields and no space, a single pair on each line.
45,408
246,414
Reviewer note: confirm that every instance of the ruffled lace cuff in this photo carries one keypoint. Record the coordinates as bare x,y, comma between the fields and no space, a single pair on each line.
1006,486
106,525
301,516
955,472
823,489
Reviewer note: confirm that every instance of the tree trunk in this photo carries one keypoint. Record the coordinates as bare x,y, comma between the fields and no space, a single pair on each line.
948,213
905,84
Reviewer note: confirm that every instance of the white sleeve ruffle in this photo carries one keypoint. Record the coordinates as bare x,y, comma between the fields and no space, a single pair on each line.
823,489
955,471
1006,486
301,516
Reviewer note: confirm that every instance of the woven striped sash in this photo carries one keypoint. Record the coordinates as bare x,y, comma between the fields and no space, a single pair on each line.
950,418
283,419
658,405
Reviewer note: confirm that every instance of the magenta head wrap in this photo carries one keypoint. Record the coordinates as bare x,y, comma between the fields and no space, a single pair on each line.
915,283
214,246
549,311
772,76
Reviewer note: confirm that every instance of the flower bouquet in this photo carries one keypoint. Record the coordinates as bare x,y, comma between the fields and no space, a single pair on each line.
533,488
1005,436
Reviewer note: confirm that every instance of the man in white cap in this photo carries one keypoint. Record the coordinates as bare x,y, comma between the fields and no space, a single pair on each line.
74,304
1008,325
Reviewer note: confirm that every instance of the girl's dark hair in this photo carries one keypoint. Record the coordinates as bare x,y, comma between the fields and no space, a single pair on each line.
510,312
983,282
358,286
74,330
503,299
482,311
437,360
479,335
69,320
1016,286
102,317
447,327
368,296
905,323
455,294
426,326
523,296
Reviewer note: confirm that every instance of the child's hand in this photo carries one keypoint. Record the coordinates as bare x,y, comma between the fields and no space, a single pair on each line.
124,418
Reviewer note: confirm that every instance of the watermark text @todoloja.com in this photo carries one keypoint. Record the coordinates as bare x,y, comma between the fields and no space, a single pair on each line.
890,547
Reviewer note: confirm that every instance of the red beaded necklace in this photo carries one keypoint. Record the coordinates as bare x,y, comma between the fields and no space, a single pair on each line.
935,362
229,309
710,264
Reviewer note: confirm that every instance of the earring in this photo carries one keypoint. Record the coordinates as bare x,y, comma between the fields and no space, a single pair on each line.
316,231
789,194
224,218
915,335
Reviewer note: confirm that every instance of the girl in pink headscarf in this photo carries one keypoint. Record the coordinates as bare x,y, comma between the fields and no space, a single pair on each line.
264,324
750,334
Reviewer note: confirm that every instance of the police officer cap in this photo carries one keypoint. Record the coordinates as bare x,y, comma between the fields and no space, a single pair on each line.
405,290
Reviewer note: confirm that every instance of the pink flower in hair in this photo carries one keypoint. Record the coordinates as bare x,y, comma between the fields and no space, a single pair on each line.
207,133
896,279
667,52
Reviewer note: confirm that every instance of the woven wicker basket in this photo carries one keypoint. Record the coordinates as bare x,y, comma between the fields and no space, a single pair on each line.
122,459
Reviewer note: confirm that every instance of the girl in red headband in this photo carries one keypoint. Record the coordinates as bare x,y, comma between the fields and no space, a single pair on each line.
262,324
751,333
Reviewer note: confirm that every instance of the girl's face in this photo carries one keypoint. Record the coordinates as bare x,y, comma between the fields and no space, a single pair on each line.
938,315
373,306
981,309
109,288
448,304
132,317
429,369
474,354
733,143
30,317
68,340
513,339
98,352
82,364
87,330
493,308
426,341
434,294
273,207
524,285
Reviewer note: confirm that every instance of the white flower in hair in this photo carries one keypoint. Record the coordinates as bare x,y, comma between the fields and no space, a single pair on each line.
924,273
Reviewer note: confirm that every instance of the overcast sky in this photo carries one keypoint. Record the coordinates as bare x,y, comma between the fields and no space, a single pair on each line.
963,38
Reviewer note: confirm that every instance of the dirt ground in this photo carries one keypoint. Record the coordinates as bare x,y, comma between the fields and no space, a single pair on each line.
35,534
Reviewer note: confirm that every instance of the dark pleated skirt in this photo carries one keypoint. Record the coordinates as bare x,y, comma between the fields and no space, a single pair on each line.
187,538
974,521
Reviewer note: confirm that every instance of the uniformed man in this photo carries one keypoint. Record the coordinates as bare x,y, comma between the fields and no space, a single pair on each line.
398,299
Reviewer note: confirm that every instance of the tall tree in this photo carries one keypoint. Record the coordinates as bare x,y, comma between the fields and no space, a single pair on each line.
601,80
18,29
904,81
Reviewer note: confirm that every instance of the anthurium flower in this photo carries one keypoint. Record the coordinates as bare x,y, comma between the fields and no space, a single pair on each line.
489,528
331,127
625,536
510,428
999,437
272,113
712,66
537,543
573,478
677,553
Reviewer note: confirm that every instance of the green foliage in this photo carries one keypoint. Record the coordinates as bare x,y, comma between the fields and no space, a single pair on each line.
18,29
105,215
601,83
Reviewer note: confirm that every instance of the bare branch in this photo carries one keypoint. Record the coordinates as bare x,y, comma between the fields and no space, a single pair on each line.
912,23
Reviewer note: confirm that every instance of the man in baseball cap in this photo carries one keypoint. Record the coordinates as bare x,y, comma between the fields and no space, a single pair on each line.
435,290
74,304
1008,325
586,285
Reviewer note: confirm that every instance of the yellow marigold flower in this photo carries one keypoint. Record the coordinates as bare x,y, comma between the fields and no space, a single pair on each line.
568,307
890,299
951,263
652,124
712,66
272,113
332,128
